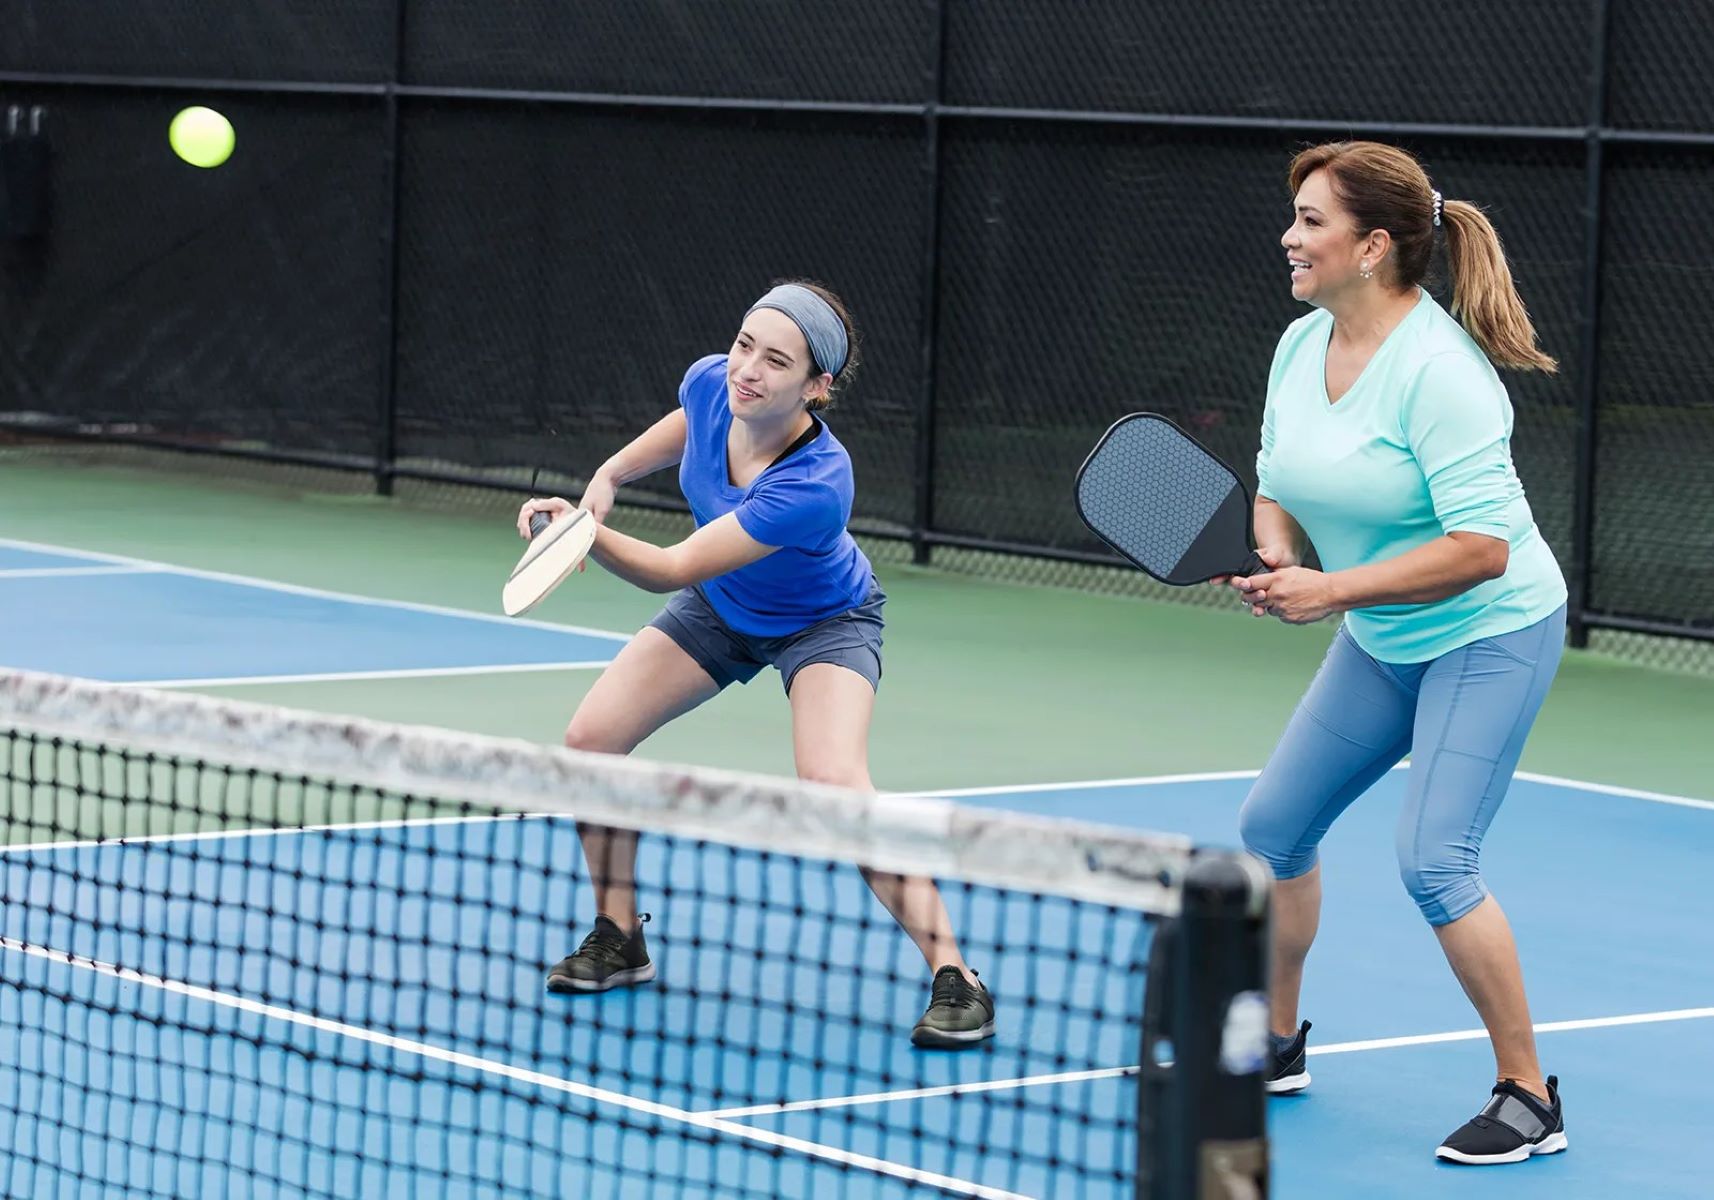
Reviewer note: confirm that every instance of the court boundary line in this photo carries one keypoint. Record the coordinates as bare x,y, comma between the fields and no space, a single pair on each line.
60,572
1357,1047
487,1066
358,676
274,585
1073,785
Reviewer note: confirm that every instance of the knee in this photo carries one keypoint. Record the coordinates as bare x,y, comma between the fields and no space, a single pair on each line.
591,734
1263,836
834,773
1444,889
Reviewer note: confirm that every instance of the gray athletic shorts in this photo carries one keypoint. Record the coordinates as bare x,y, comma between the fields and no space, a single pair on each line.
850,639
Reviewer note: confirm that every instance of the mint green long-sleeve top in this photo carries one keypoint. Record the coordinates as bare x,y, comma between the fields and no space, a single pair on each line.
1420,446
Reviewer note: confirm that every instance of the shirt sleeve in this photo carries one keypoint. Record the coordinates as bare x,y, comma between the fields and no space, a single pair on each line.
695,385
1456,425
790,511
1265,454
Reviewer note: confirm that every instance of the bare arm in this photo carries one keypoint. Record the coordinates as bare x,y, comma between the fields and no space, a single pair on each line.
1447,566
718,547
1277,530
659,446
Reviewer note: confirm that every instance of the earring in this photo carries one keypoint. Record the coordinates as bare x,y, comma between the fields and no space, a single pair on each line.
1364,271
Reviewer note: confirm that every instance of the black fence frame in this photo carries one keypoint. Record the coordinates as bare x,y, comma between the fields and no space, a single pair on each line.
1594,135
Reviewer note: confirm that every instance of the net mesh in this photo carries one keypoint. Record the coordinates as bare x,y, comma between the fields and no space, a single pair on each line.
251,951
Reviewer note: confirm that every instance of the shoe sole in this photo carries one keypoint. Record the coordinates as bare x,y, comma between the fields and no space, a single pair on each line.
950,1039
1288,1085
565,983
1553,1143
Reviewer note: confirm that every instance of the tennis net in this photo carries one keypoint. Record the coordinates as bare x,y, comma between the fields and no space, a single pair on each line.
253,951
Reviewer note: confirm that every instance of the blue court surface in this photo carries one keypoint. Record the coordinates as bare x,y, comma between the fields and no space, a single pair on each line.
126,620
253,973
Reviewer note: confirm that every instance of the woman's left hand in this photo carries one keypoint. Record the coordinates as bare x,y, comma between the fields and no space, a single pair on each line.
1296,595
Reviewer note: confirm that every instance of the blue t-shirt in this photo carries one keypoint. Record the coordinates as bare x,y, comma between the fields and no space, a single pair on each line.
1419,447
800,505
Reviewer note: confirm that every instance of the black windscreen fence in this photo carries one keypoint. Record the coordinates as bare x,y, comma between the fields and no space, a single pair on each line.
471,243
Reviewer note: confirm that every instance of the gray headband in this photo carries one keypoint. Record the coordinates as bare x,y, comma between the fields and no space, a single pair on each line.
821,326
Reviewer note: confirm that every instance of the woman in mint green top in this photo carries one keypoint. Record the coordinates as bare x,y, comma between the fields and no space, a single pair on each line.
1386,445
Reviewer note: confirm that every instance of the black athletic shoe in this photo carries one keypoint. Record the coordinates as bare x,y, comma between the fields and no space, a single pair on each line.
1511,1127
959,1013
608,958
1288,1062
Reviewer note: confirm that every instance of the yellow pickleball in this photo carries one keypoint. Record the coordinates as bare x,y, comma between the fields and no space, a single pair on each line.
202,137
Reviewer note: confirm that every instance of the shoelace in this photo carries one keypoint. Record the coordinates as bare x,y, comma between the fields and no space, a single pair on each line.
950,989
603,942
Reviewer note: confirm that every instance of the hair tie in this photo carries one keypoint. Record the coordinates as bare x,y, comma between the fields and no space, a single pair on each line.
1437,206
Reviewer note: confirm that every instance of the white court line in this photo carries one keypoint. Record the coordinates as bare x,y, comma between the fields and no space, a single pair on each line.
1607,789
210,835
999,1085
948,1089
1075,785
344,676
54,572
486,1066
272,585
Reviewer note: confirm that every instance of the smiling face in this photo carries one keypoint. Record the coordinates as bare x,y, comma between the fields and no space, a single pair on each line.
1323,247
770,374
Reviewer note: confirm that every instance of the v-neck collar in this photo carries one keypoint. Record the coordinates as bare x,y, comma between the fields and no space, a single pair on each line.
805,438
1327,402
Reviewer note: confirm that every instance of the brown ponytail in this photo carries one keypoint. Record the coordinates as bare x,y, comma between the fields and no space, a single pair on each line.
1484,297
1383,187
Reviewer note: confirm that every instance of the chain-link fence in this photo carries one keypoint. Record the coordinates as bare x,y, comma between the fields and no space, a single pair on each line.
468,243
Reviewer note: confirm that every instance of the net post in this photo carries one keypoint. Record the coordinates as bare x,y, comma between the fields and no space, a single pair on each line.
1205,1046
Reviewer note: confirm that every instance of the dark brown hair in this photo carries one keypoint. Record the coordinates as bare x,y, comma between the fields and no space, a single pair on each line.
1383,187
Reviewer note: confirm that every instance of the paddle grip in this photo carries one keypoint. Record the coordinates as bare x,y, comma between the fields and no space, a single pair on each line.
1253,565
539,522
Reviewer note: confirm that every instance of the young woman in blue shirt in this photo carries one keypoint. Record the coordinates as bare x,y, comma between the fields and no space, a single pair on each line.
1386,445
770,577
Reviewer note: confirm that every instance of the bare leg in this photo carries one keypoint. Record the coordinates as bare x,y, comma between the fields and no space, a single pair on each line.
651,682
1296,917
831,706
1483,955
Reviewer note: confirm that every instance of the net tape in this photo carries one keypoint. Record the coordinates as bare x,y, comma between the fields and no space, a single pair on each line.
907,834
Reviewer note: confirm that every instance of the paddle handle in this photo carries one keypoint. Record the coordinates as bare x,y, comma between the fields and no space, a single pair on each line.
539,522
1253,565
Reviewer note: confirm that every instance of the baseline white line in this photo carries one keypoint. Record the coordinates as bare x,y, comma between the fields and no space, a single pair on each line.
56,572
346,676
1076,785
999,1085
1607,789
1473,1035
273,585
486,1066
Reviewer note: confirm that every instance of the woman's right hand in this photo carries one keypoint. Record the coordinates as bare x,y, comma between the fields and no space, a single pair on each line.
1275,557
553,506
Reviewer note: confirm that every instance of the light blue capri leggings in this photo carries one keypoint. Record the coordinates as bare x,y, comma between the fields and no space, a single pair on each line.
1462,717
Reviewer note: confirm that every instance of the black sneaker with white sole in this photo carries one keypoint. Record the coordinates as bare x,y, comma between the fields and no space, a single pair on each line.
1511,1127
960,1013
1288,1062
608,958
